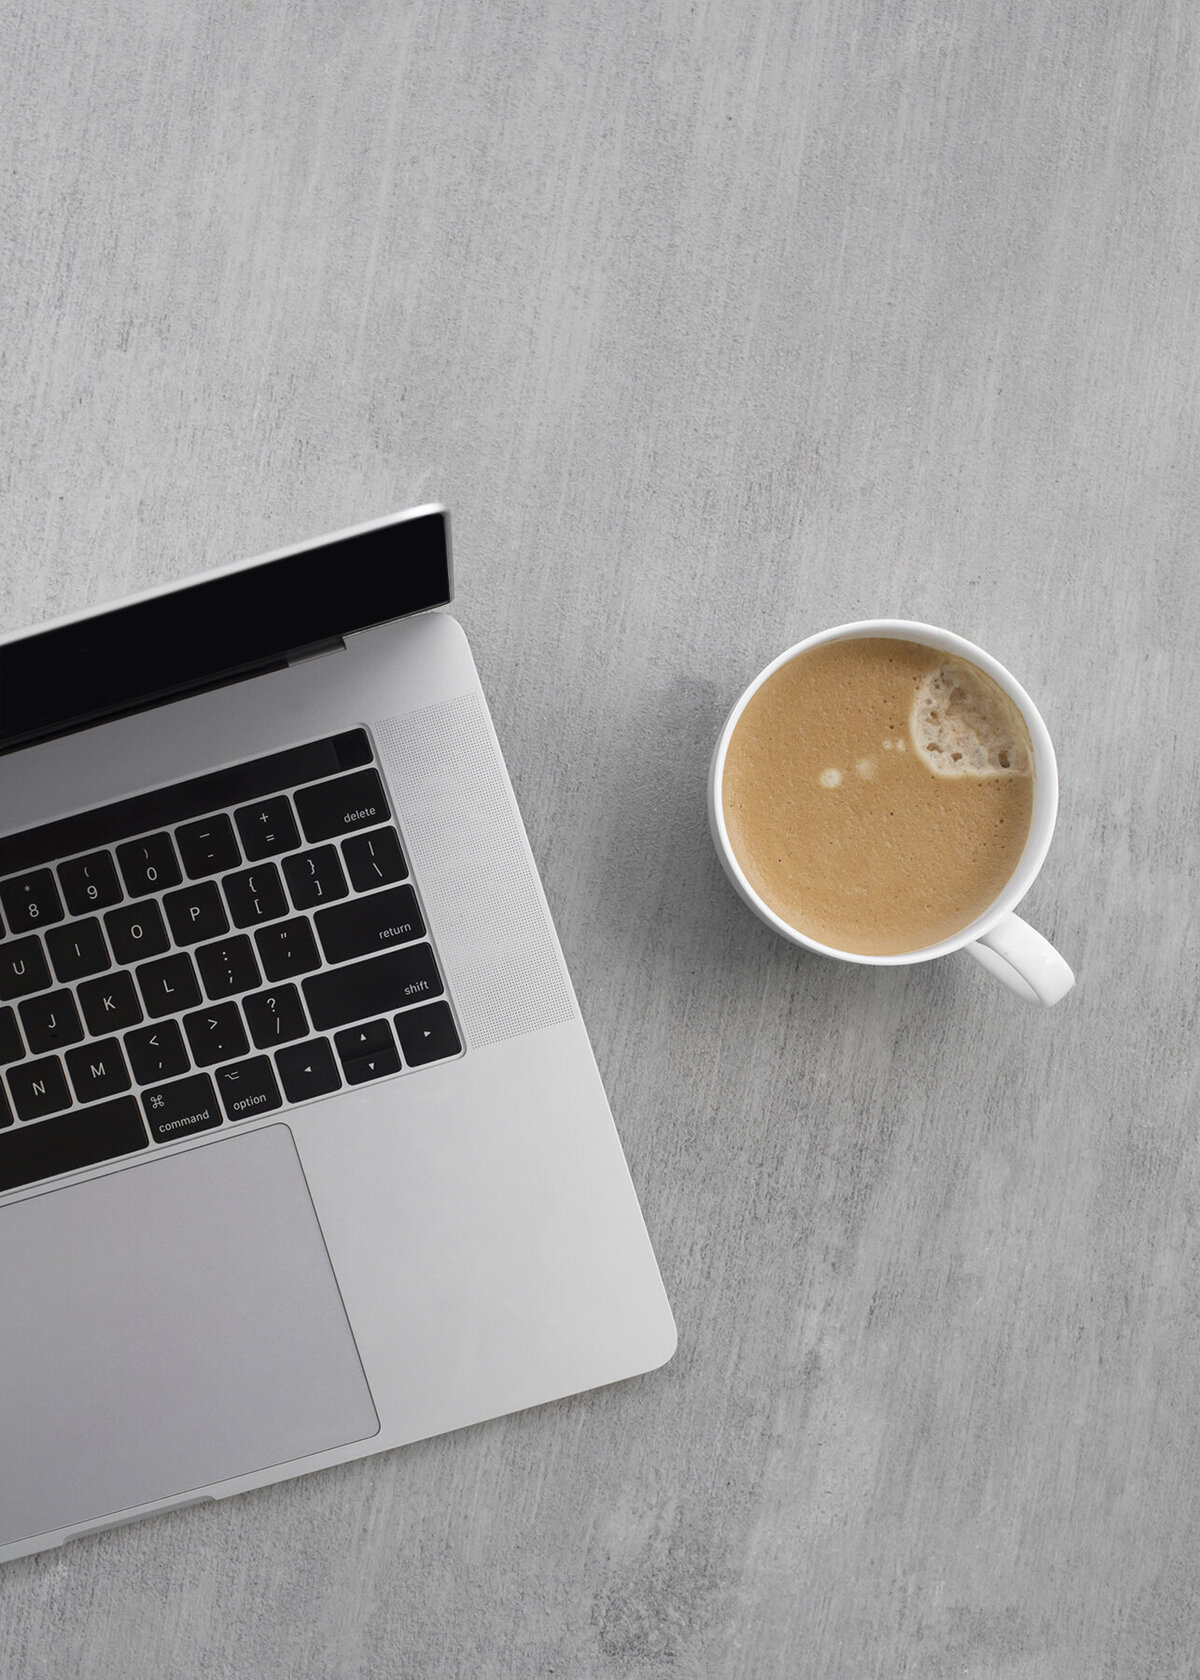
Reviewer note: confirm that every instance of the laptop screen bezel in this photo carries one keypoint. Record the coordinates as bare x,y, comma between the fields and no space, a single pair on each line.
223,626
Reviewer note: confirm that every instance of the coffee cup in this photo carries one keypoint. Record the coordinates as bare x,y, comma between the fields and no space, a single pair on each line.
923,657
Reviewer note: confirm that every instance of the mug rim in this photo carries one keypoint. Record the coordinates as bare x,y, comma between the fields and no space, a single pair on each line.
1045,789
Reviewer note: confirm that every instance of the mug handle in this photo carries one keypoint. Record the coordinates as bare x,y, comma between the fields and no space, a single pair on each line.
1028,964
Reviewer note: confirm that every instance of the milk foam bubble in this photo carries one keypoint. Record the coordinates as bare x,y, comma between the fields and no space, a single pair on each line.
963,724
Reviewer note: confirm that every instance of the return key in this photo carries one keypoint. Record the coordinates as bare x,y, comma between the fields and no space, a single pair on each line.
363,925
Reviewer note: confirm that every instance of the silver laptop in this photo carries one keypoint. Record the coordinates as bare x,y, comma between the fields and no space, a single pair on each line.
303,1149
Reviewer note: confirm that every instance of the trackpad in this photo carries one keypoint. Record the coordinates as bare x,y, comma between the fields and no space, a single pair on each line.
165,1327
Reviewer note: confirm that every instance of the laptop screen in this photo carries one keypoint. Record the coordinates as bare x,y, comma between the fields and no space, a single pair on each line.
240,622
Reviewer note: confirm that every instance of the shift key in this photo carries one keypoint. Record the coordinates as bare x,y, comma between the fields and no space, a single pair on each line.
374,987
363,925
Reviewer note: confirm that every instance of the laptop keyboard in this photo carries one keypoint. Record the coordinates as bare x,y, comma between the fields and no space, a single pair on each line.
206,953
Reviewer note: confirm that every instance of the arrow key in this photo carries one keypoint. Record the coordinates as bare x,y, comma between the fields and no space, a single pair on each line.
307,1069
367,1051
363,1038
358,1069
427,1034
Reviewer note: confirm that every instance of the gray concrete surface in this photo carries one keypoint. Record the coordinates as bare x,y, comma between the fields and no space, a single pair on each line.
713,325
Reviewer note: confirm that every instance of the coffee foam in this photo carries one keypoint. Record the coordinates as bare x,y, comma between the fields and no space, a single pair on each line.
963,724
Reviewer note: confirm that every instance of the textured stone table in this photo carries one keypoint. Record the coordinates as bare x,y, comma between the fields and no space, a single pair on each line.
713,325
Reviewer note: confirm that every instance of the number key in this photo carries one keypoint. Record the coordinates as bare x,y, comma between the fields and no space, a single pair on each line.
148,865
31,901
89,883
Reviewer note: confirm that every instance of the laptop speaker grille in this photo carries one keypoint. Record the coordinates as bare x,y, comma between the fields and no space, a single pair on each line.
473,866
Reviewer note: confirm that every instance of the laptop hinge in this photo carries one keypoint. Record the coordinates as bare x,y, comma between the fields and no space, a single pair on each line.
314,650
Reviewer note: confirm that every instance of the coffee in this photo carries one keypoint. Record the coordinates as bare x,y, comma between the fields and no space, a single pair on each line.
878,793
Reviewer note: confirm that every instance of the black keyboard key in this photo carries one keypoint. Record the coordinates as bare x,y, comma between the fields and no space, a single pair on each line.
22,968
343,805
368,924
248,1088
315,877
181,1108
89,883
98,1070
255,895
275,1017
228,967
31,901
38,1088
373,987
427,1034
360,1040
168,985
7,1118
71,1141
156,1052
137,931
307,1070
149,865
376,1064
207,847
11,1048
78,949
215,1035
287,949
267,828
196,913
109,1004
51,1021
374,860
363,925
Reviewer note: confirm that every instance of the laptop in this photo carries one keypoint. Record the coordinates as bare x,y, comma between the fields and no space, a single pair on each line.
304,1153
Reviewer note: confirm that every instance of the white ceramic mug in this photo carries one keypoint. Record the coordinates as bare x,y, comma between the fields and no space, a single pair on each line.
1008,947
